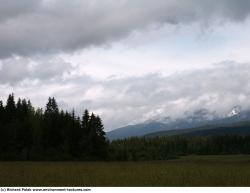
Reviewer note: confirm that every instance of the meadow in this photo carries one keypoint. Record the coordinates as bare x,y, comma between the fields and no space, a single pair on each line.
233,170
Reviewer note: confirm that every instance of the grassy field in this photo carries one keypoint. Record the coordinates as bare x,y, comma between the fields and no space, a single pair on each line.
186,171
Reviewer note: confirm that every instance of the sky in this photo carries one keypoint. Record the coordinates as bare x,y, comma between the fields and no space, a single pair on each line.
128,61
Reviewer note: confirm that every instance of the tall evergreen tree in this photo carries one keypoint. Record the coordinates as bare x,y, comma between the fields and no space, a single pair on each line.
51,106
96,138
1,113
10,108
84,141
101,142
2,127
52,135
85,122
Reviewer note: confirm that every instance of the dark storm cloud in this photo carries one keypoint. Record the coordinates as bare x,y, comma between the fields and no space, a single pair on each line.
14,8
39,27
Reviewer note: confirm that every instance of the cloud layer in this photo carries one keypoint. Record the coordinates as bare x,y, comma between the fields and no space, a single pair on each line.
49,26
122,101
138,99
17,69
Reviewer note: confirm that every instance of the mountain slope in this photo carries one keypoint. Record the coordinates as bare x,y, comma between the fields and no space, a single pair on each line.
201,118
236,130
135,130
240,128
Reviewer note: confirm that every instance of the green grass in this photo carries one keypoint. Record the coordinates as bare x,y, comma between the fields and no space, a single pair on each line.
186,171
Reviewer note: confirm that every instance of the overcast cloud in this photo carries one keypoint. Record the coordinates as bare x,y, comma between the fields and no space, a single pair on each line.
40,27
129,61
139,99
131,100
17,69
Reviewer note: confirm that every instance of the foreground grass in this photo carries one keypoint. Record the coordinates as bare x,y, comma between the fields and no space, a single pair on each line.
186,171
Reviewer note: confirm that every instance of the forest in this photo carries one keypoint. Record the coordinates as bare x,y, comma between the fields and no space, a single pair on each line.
27,133
51,134
164,148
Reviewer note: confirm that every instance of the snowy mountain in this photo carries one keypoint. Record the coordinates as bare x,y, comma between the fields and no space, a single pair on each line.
197,118
235,111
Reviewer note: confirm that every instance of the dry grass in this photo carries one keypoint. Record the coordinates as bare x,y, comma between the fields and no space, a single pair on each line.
187,171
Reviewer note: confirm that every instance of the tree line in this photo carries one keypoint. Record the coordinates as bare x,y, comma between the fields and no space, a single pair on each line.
27,133
163,148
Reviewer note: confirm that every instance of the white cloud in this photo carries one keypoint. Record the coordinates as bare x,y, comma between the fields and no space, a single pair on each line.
16,70
121,101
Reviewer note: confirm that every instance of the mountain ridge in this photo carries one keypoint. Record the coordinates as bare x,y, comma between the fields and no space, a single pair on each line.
199,118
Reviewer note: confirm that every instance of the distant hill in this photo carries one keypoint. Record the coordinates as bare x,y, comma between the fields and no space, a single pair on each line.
236,130
200,119
241,128
136,130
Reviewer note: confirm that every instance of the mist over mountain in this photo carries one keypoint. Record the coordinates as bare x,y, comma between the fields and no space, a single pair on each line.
198,118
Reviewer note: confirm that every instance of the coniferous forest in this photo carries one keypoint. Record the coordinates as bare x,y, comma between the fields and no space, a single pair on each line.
27,133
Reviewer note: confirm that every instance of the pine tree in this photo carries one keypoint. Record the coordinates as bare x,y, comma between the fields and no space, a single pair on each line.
2,127
101,142
51,106
1,113
85,122
84,142
54,106
10,129
96,138
10,108
100,128
52,134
